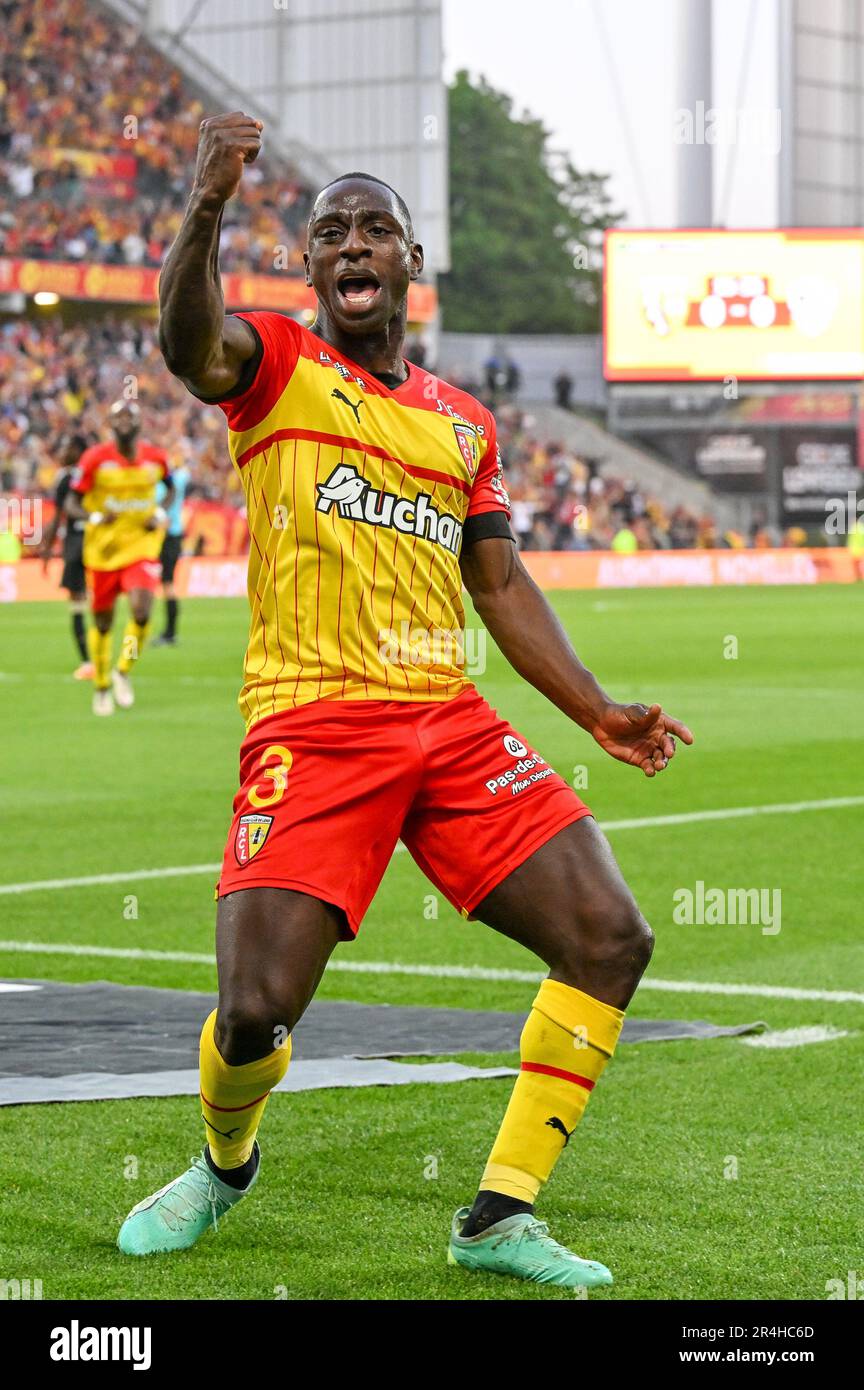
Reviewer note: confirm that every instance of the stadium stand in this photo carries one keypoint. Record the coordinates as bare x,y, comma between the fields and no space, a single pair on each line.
98,131
97,142
56,378
567,495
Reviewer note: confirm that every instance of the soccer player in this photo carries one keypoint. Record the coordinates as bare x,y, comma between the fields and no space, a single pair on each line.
72,579
170,554
374,491
113,492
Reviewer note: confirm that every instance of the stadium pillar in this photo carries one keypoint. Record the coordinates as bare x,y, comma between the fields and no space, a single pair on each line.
695,154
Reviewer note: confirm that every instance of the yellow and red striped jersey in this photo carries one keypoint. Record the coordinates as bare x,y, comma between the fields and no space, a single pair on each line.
357,496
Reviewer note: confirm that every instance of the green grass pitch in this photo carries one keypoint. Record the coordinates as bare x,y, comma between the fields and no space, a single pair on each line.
358,1187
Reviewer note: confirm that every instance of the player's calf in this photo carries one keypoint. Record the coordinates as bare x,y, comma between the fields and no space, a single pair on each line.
589,930
234,1096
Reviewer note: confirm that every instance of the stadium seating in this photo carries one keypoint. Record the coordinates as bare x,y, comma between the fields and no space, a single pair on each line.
97,145
97,142
56,378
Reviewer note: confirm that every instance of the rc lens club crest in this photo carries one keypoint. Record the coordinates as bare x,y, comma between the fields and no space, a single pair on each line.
252,832
469,447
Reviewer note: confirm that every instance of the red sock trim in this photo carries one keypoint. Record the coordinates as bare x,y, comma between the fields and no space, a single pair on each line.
232,1109
556,1071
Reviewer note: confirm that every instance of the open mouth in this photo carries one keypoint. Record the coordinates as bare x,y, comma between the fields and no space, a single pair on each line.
358,291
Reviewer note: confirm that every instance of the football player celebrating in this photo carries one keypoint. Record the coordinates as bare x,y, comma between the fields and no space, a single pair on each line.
374,491
113,492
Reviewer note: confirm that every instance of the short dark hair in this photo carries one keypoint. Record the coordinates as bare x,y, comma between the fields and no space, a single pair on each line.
370,178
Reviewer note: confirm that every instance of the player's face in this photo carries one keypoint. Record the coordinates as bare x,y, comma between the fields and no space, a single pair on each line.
70,453
125,424
360,259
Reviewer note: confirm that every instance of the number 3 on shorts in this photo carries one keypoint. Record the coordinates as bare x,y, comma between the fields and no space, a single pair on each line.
276,762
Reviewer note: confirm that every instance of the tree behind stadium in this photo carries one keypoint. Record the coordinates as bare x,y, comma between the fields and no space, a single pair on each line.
516,227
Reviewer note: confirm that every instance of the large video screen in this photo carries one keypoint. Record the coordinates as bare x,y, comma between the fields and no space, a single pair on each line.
711,305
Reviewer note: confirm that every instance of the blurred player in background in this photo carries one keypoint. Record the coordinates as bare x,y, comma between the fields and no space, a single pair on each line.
73,579
171,548
113,492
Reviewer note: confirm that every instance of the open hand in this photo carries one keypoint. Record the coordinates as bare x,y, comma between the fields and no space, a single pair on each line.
640,735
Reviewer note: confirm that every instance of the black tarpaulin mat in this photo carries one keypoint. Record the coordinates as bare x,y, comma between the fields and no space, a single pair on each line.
54,1030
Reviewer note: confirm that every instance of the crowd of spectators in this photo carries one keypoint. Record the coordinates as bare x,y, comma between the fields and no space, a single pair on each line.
563,502
75,82
58,379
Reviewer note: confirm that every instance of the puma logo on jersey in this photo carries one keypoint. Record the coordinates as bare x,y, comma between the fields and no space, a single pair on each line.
353,498
354,405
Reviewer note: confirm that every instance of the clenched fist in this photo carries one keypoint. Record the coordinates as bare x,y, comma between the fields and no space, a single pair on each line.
225,144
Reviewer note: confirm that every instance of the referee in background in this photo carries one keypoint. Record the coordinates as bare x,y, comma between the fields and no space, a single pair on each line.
170,554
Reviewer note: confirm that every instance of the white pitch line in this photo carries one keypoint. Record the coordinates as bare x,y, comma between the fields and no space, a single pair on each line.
734,813
635,823
440,972
69,948
828,996
93,880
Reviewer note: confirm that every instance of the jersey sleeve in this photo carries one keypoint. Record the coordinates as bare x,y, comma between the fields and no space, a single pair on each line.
267,372
82,478
489,504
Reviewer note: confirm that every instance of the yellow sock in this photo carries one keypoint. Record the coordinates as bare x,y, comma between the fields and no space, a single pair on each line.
567,1040
233,1098
99,647
134,637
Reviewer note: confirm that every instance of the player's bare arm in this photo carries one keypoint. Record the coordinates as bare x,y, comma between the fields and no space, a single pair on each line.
532,639
159,518
75,509
49,536
201,345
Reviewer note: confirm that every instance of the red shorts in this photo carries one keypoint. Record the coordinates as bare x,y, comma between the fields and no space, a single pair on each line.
107,585
327,789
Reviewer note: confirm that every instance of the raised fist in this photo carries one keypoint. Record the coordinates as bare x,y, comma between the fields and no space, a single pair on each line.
225,144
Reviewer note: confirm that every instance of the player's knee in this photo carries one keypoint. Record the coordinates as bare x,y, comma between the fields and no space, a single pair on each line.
631,940
642,942
613,937
248,1026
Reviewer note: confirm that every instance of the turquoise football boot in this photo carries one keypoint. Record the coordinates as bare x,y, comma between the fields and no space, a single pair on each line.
179,1214
521,1246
